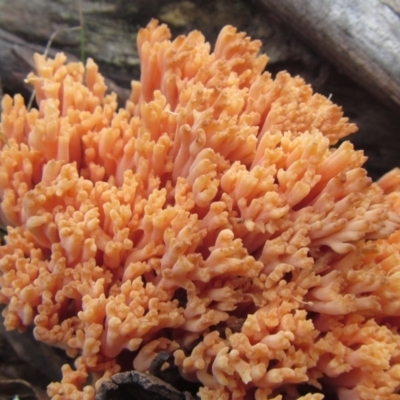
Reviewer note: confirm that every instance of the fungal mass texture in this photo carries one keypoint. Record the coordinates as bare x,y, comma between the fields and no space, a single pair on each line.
216,217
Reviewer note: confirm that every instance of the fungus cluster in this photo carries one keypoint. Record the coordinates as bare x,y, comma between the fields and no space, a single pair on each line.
215,217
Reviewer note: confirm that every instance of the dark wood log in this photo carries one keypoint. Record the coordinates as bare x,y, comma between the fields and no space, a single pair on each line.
360,37
110,30
18,56
108,36
26,27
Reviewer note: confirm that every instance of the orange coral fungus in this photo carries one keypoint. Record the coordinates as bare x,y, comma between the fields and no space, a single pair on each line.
216,193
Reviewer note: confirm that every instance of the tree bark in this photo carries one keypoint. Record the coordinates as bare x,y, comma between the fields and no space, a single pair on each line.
110,30
360,37
26,27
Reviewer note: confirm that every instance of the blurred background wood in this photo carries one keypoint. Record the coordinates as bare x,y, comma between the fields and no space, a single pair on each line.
360,37
346,50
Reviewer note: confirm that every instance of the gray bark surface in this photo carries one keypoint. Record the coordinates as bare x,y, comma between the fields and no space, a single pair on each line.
361,37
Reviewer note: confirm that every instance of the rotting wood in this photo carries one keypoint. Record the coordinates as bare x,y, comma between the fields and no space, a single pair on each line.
111,30
360,37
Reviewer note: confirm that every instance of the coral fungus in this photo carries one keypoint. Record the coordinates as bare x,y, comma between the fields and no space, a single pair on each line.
218,192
